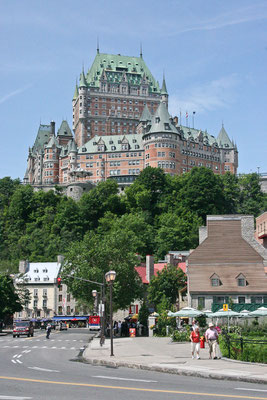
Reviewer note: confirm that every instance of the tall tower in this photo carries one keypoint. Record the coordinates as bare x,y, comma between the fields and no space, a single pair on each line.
111,96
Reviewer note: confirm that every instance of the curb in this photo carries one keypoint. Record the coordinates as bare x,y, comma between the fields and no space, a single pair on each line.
176,371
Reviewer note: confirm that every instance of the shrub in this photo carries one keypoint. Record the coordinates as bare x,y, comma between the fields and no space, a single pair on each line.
181,336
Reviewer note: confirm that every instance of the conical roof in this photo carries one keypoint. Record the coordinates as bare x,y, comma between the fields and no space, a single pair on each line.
82,80
164,87
161,121
76,93
146,115
64,129
223,138
72,147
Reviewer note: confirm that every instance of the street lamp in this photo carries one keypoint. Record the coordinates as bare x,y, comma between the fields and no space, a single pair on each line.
110,277
94,294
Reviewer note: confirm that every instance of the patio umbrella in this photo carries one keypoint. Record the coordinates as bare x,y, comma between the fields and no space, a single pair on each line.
187,312
221,314
260,312
244,314
207,312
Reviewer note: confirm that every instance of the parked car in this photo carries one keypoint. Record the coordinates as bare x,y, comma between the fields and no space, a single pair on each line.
63,326
23,328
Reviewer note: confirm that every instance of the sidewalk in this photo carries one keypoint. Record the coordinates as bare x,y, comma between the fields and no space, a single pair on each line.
163,355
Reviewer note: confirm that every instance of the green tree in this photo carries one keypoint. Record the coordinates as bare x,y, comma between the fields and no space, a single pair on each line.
202,192
166,283
251,196
9,299
147,192
94,256
176,232
231,190
94,204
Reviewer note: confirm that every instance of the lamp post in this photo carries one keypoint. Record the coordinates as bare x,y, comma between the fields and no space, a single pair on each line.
94,294
110,278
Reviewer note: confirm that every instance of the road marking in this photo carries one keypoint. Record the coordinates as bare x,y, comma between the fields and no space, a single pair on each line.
43,369
134,389
3,397
63,348
19,355
253,390
18,361
14,361
123,379
26,351
15,355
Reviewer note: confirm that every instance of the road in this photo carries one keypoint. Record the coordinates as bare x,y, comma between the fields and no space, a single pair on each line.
40,369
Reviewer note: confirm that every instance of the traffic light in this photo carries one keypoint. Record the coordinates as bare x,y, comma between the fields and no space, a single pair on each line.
58,281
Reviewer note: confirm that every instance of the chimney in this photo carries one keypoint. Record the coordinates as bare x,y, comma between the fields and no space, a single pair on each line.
175,120
23,266
60,259
170,259
149,267
203,234
53,130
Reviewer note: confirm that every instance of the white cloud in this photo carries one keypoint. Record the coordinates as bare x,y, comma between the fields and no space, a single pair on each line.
14,93
212,95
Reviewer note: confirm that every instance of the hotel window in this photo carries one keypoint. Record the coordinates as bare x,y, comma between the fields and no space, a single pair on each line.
215,280
241,280
60,297
201,303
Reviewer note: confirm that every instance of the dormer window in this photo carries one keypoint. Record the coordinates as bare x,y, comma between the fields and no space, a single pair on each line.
241,280
215,280
100,147
157,120
36,270
45,270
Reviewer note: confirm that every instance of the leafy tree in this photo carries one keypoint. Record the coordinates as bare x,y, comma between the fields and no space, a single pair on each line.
7,188
143,314
134,224
147,191
231,190
9,299
166,283
177,232
202,192
94,256
94,204
251,196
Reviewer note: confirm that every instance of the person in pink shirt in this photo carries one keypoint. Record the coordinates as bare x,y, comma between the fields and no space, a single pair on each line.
211,336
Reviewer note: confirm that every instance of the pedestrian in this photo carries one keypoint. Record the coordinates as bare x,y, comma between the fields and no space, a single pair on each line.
119,328
48,331
194,325
211,336
195,342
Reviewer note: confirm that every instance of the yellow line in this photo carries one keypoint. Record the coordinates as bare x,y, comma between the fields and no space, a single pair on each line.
131,388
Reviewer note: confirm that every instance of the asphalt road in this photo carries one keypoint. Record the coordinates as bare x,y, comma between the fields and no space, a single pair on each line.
37,368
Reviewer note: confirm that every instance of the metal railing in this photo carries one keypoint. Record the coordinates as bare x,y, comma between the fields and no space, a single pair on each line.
242,342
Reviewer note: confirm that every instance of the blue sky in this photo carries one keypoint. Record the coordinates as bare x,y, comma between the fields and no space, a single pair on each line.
213,54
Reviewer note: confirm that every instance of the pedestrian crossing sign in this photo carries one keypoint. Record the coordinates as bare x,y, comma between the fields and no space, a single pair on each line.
225,307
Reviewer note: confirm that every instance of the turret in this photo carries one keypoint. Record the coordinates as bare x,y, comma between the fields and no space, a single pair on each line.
164,93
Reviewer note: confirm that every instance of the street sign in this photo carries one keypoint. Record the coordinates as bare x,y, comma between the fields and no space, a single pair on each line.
225,307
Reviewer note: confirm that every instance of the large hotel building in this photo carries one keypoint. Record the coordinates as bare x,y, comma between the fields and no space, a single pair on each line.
121,125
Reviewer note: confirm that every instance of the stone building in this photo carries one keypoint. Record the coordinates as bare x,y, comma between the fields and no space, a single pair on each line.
46,298
121,125
261,229
228,265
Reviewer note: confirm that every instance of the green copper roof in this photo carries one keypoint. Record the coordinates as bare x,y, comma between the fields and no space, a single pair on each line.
64,129
113,143
146,115
114,67
83,82
164,87
42,137
161,121
223,139
72,147
52,142
76,93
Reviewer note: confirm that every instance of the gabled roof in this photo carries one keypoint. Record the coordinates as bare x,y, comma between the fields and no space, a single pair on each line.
72,147
40,273
53,142
83,82
64,129
115,66
223,139
161,121
42,137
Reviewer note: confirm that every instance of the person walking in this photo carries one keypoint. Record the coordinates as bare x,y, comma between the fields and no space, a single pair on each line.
48,331
195,342
211,336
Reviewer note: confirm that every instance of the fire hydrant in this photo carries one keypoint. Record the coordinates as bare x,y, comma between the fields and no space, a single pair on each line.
202,342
